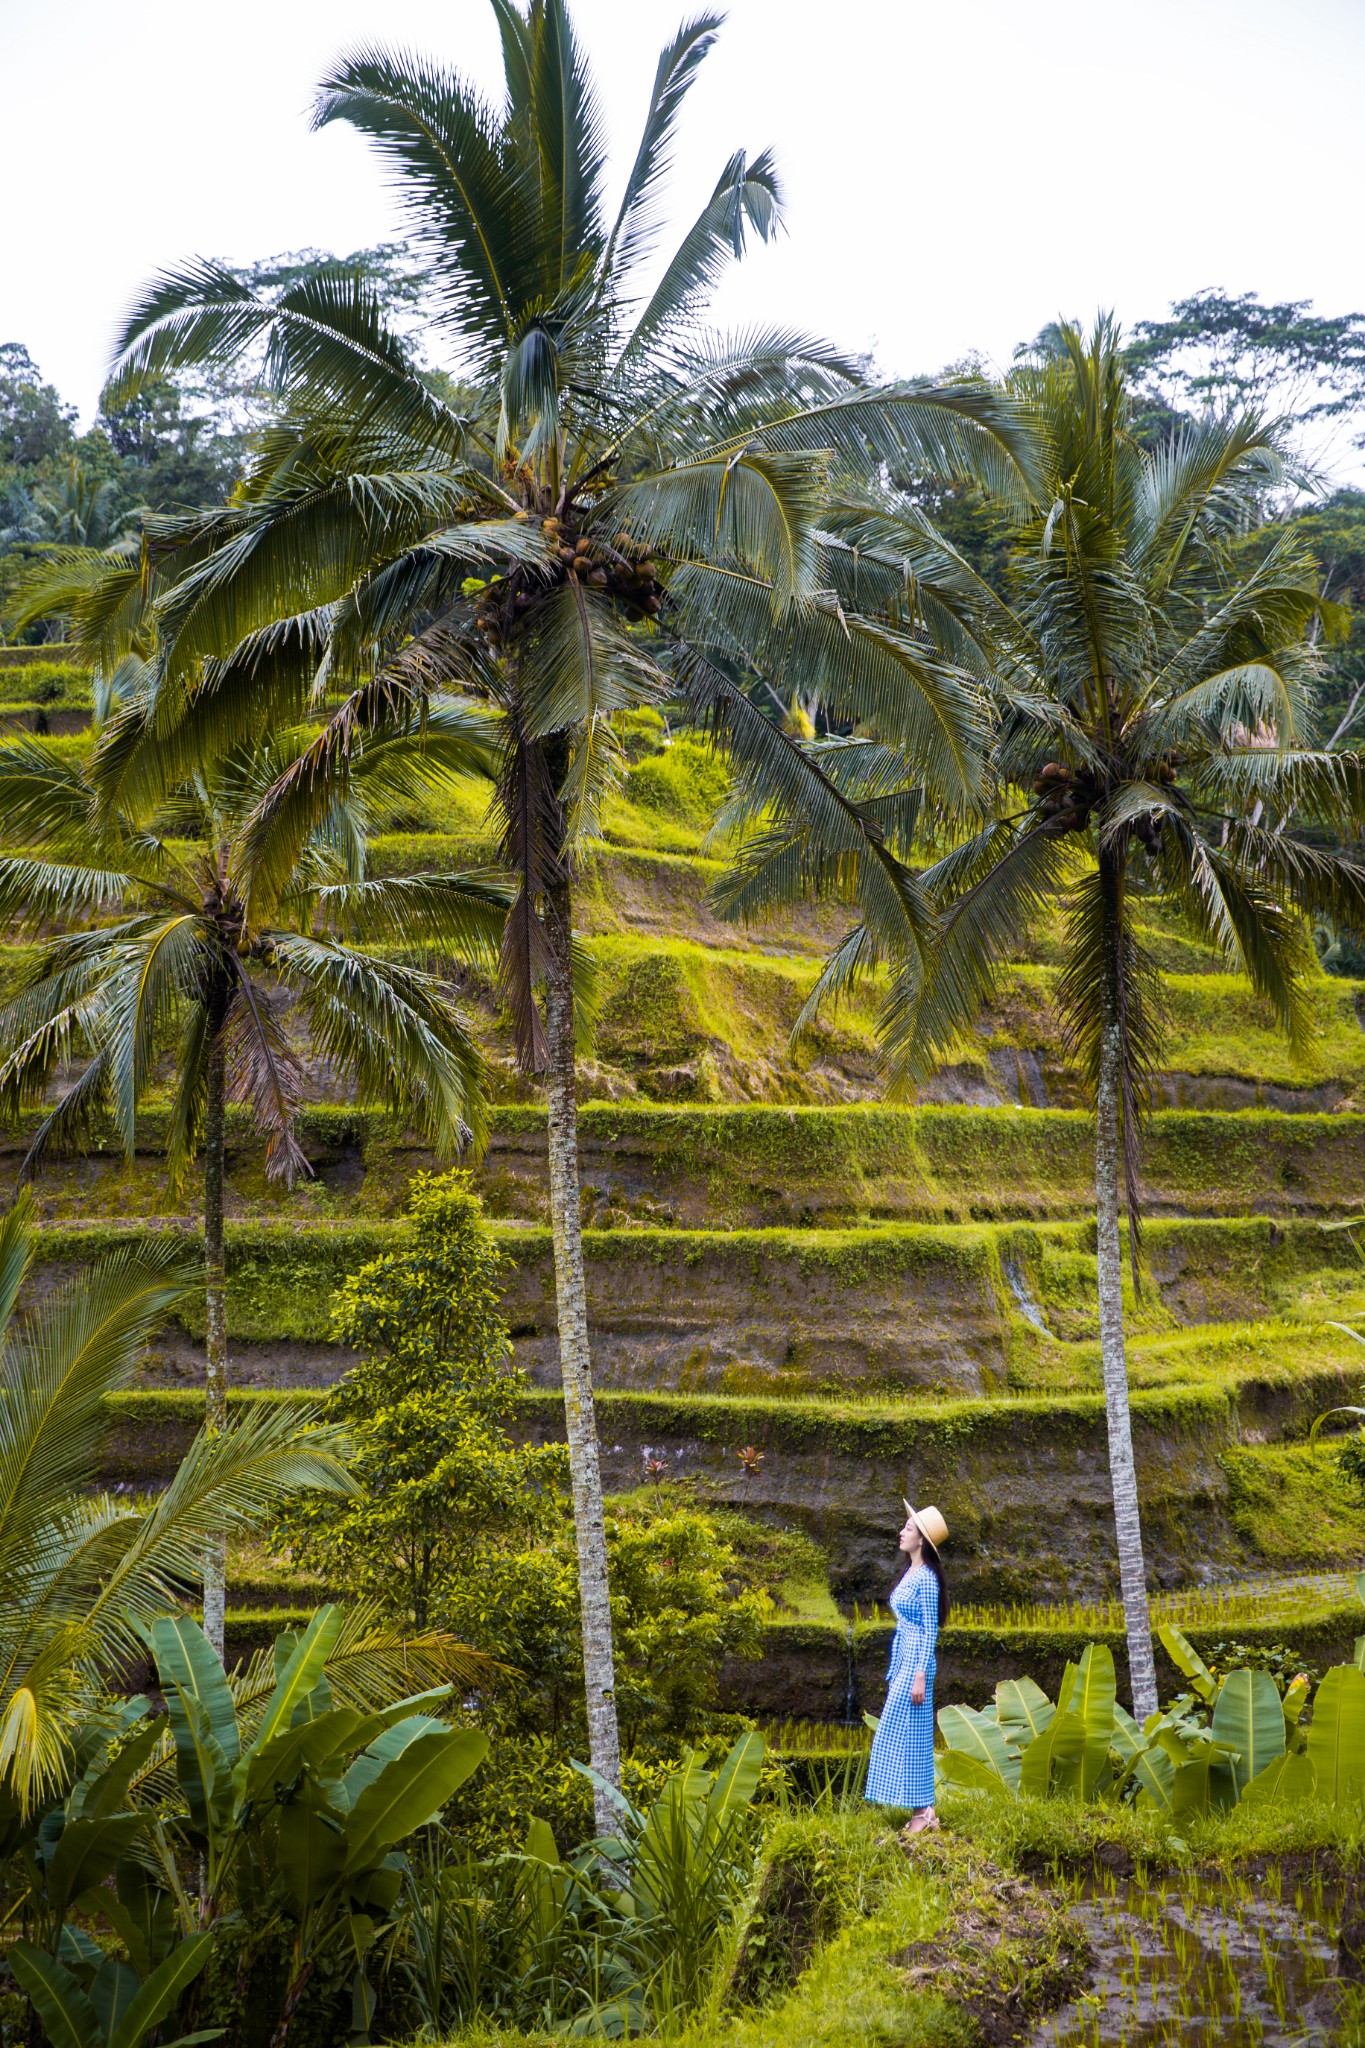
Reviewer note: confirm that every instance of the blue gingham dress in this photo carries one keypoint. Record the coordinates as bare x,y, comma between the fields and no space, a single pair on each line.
900,1770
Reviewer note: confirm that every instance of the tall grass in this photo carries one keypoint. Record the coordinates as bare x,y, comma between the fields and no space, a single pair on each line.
816,1738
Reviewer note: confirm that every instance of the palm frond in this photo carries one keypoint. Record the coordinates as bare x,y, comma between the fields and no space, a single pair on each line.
56,1373
369,1665
746,506
464,193
577,663
396,1029
638,218
747,197
230,1480
989,889
266,1074
147,981
464,911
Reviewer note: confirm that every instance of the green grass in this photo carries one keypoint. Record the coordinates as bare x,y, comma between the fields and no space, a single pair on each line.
1293,1506
1025,1832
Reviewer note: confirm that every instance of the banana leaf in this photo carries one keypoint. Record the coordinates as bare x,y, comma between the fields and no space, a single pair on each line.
1053,1759
300,1676
1288,1778
409,1792
1249,1719
979,1735
1022,1709
1092,1702
970,1773
1155,1774
1187,1660
1336,1738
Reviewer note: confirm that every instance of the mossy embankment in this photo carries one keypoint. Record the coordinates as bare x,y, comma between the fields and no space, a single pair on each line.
1024,1482
759,1166
914,1311
43,694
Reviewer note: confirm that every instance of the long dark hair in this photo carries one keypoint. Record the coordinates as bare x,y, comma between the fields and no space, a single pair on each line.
929,1556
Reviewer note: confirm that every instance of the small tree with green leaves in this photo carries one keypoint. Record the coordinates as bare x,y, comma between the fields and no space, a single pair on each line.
427,1410
680,1608
682,1601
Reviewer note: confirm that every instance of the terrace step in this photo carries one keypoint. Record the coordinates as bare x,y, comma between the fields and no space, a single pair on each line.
754,1167
1023,1482
912,1311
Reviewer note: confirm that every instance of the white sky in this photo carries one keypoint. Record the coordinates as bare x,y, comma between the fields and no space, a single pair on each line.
957,174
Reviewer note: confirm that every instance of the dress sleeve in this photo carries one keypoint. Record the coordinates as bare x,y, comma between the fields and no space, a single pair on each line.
919,1628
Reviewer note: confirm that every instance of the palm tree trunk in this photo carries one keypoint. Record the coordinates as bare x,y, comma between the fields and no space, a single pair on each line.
599,1670
215,1343
1122,1472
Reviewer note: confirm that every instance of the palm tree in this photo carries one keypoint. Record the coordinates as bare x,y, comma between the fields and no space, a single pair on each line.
83,511
1152,702
81,1570
609,507
189,982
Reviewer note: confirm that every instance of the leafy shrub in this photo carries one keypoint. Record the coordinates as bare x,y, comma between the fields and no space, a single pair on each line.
445,1486
1282,1663
680,1606
44,682
618,1938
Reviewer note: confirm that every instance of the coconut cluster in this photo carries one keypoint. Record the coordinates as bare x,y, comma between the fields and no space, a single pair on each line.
620,569
1069,795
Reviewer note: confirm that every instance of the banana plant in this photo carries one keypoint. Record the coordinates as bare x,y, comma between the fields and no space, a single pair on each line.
87,1999
1084,1744
1225,1741
300,1824
82,1855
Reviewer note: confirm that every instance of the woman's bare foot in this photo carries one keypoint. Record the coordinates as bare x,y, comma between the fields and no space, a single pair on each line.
925,1819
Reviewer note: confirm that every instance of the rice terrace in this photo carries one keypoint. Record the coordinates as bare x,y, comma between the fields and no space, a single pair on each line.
682,1042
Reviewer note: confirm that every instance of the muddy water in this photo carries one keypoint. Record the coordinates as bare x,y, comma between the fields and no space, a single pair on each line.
1245,1963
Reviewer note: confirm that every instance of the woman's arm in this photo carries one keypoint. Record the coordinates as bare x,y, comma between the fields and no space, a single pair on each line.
919,1643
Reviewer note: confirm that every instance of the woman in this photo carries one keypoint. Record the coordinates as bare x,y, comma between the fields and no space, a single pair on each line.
900,1770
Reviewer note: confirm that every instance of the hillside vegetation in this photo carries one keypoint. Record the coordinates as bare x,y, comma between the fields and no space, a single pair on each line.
875,1299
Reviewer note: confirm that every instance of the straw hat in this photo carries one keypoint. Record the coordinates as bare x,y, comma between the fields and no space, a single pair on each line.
930,1524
